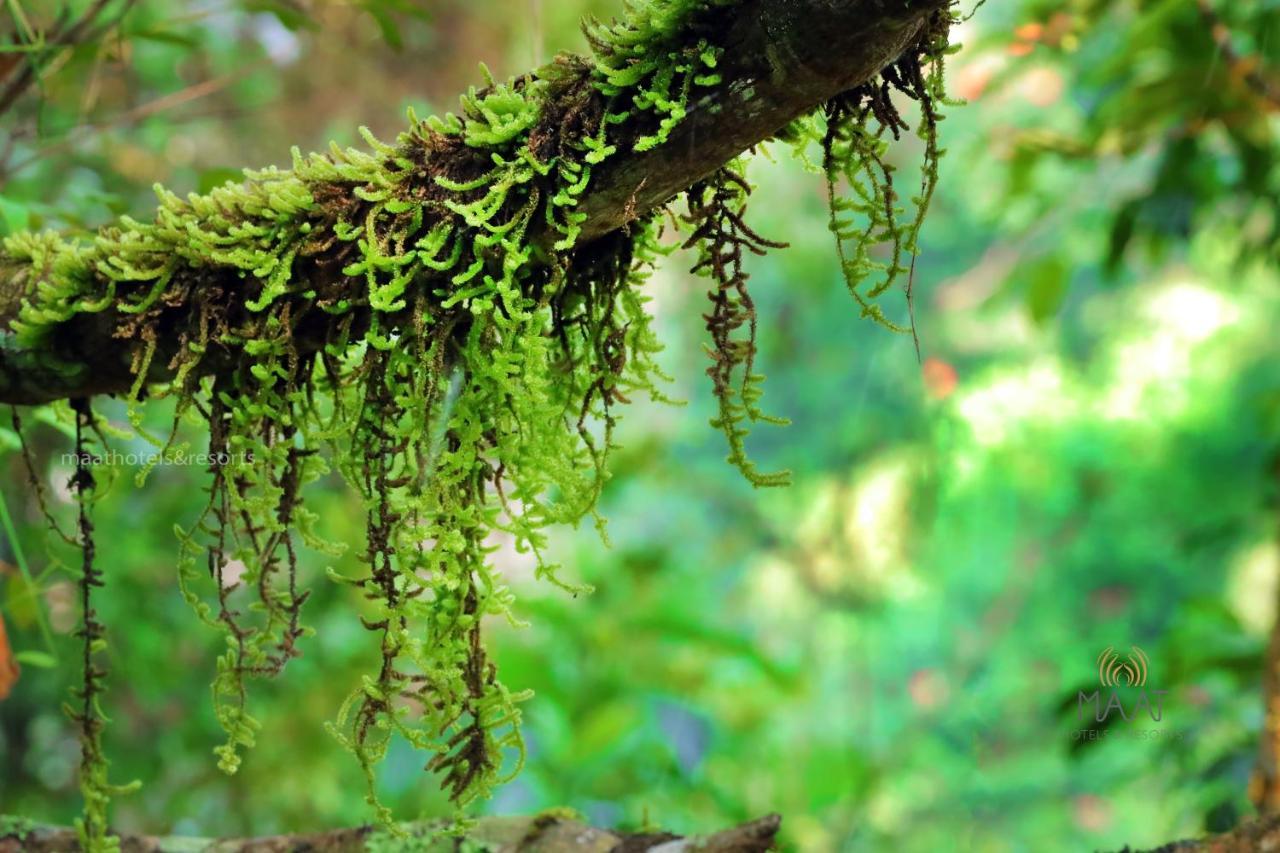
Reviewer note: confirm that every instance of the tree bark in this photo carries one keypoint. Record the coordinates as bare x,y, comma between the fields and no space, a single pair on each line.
1249,837
1264,785
547,833
782,59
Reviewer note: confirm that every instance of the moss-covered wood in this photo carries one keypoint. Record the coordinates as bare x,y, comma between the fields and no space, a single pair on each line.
547,833
779,61
453,321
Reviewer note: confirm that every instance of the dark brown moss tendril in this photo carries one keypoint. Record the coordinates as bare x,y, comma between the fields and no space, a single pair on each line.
91,827
721,235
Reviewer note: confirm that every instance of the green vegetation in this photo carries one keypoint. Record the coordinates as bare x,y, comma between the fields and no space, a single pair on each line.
18,827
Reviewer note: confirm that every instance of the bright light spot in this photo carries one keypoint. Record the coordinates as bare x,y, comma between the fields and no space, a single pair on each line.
851,539
1041,86
281,45
1251,588
1153,368
879,502
181,150
1192,312
232,572
776,584
1037,394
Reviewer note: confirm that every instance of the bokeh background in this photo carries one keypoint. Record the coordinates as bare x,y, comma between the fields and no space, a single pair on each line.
887,652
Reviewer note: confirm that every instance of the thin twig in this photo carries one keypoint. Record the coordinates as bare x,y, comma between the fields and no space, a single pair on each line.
64,39
1248,68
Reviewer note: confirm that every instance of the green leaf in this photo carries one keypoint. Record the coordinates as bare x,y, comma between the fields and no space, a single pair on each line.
293,18
211,179
1046,289
21,603
40,660
387,24
166,37
13,216
604,727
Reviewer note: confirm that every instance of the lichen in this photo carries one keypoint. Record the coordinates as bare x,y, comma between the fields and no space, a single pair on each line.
422,316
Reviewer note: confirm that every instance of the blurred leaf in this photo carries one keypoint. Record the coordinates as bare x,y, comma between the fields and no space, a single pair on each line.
165,37
603,728
1122,230
717,639
40,660
13,216
21,600
211,179
1047,287
387,24
290,13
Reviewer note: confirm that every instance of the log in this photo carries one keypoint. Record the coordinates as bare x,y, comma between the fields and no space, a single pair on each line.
550,832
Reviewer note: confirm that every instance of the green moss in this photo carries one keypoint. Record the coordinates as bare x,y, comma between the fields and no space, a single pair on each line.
418,840
12,826
400,309
858,128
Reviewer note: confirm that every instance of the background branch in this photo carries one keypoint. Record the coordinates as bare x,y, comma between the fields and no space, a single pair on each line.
83,29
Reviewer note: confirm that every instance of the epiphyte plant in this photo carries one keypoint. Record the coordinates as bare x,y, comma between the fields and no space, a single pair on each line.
426,318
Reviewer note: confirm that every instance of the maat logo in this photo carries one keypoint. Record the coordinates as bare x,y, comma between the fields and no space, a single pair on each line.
1126,676
1130,671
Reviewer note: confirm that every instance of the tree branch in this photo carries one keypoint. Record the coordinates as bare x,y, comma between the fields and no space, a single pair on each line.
781,60
545,833
1249,837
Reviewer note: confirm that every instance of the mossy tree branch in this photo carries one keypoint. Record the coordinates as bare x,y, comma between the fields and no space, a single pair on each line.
452,322
780,60
546,833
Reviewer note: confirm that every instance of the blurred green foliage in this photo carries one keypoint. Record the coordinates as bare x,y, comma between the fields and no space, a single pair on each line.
888,652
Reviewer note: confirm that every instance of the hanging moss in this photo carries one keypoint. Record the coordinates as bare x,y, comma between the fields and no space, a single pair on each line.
91,827
857,129
721,236
421,316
